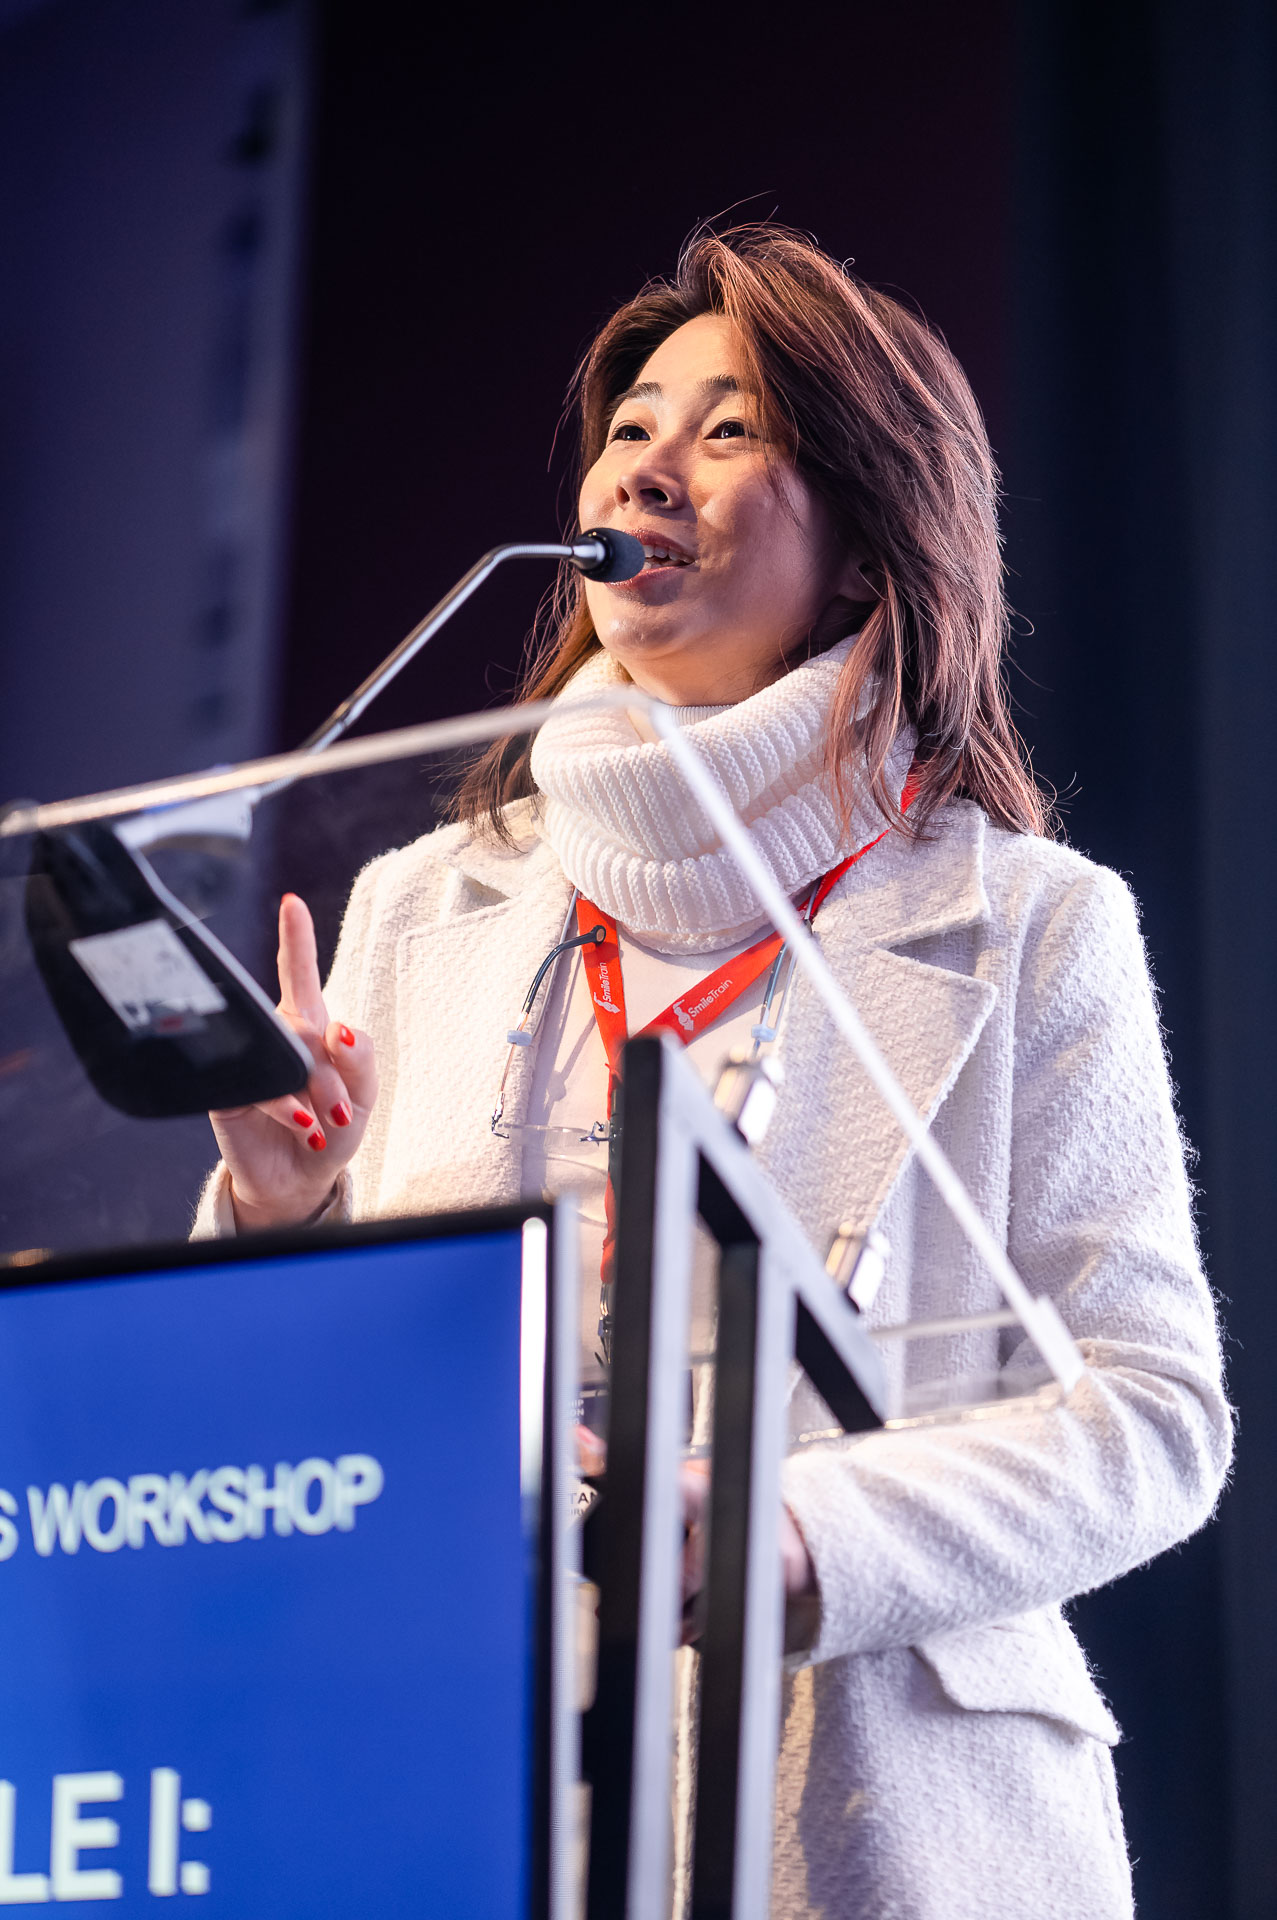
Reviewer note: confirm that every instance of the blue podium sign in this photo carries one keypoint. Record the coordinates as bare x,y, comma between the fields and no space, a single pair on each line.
271,1581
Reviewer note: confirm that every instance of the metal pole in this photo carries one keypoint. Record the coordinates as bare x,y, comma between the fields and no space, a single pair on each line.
741,1639
627,1734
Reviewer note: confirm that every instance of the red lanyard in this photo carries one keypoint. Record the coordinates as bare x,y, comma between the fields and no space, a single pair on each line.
707,1001
693,1011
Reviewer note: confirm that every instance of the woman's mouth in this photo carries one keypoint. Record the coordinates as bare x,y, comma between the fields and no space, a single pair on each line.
662,556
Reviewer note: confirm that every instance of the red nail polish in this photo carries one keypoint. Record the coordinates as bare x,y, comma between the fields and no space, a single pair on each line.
317,1141
341,1115
346,1037
302,1118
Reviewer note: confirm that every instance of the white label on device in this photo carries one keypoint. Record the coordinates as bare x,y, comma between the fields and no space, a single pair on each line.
148,978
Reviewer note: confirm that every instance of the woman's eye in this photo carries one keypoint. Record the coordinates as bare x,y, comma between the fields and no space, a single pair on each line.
628,430
729,430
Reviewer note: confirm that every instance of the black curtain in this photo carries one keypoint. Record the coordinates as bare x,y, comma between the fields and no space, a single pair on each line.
1142,470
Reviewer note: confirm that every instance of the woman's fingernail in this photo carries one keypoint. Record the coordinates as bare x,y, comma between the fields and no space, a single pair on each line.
346,1037
341,1115
302,1118
317,1141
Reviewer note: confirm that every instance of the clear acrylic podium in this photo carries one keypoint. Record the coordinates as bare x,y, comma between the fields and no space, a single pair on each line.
204,862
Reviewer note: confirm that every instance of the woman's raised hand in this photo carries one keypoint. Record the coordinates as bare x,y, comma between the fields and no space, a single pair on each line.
284,1155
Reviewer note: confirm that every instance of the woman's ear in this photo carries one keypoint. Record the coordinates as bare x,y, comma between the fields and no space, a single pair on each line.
862,579
858,585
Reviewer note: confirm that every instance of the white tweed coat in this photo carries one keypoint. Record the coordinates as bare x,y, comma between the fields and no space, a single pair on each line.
944,1751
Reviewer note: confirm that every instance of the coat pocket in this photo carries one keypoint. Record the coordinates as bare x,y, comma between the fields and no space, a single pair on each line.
1031,1664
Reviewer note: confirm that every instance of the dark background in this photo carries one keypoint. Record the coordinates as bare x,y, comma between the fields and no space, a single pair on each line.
1080,196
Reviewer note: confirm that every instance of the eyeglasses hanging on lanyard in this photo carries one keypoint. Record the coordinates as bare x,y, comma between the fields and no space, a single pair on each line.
726,985
597,933
763,1033
524,1034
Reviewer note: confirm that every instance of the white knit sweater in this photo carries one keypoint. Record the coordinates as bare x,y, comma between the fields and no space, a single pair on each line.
629,834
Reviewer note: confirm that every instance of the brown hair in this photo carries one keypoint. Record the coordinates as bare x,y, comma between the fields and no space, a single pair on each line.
880,422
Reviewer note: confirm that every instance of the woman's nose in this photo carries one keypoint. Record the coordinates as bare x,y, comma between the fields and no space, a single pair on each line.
651,478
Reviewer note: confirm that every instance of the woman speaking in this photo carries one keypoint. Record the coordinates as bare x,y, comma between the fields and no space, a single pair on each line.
822,602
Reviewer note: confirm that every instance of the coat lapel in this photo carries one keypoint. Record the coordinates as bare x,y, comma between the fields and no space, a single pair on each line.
833,1148
460,984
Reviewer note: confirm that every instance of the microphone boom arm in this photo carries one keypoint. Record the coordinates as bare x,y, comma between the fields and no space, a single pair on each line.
601,553
589,553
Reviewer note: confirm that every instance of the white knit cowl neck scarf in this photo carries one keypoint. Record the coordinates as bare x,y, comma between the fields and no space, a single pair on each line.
627,832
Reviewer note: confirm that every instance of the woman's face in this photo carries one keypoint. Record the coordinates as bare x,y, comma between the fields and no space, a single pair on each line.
742,562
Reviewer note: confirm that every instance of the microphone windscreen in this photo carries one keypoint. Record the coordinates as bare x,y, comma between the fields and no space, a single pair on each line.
622,555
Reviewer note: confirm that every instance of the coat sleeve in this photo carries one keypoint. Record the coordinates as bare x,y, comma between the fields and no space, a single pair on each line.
928,1530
